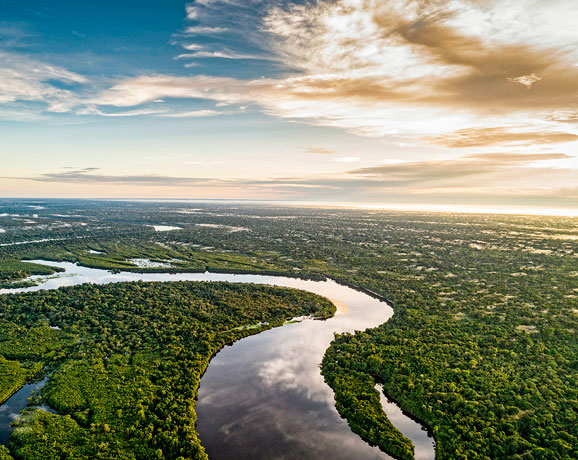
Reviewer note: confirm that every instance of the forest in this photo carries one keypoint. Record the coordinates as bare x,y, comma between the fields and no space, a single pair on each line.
482,347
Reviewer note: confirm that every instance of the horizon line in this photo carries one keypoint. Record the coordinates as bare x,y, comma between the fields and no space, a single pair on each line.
404,207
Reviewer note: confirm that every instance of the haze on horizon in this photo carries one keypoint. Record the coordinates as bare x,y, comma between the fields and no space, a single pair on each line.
408,102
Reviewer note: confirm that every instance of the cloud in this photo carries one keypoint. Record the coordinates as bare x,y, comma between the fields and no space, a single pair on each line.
484,137
226,54
192,46
192,11
526,80
481,178
404,69
487,171
135,91
519,158
93,176
196,114
127,113
203,30
27,80
319,150
14,35
563,116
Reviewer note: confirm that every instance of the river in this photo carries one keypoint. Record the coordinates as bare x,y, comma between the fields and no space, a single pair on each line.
264,396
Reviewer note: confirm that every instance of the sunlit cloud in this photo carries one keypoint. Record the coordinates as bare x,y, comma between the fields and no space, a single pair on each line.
406,69
526,80
483,137
319,151
465,169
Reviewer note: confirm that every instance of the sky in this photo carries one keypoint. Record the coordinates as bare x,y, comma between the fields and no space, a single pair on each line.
459,103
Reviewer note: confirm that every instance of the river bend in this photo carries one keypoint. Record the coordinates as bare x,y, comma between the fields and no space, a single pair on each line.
264,397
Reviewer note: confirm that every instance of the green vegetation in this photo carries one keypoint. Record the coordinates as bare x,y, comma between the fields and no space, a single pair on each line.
13,377
358,402
13,270
482,346
5,453
154,257
23,350
127,361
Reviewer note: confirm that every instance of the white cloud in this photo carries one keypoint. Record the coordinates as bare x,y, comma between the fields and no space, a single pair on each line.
195,114
546,24
192,46
226,54
128,113
526,80
26,80
200,30
135,91
192,11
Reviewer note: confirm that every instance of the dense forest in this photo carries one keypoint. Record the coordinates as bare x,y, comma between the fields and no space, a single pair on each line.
125,361
482,346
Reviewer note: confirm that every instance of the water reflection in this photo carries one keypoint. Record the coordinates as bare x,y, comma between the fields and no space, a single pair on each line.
264,397
10,410
421,438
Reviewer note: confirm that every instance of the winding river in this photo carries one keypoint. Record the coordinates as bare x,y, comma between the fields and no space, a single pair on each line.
264,397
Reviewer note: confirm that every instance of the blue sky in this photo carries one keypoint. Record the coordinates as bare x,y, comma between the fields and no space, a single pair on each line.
402,102
130,38
95,38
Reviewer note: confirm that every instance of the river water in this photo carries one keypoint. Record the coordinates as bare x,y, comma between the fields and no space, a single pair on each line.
264,396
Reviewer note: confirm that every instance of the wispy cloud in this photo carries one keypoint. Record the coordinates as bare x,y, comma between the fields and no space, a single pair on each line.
319,151
14,35
196,114
126,113
27,80
468,171
192,11
484,137
202,30
94,176
225,54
